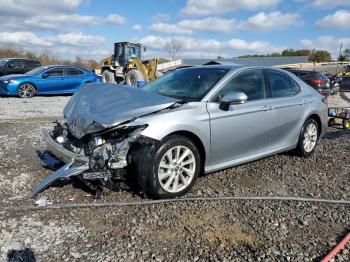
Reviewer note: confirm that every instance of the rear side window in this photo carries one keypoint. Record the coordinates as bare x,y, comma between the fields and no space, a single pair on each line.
55,72
249,82
281,85
74,72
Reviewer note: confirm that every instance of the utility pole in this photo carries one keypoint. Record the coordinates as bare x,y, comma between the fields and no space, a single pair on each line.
341,47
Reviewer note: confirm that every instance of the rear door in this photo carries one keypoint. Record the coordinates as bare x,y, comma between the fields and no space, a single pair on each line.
245,129
288,103
73,78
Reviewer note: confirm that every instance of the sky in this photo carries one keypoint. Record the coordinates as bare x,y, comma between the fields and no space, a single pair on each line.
205,28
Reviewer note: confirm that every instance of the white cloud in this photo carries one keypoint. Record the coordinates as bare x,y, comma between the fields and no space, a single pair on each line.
137,27
76,39
273,21
209,24
115,19
22,38
331,3
340,19
270,21
208,48
170,29
29,8
206,7
329,43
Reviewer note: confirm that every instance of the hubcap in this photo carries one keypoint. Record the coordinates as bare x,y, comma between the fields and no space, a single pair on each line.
176,169
310,137
26,90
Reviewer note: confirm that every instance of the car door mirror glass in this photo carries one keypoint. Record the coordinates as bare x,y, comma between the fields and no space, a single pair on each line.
232,98
45,75
10,65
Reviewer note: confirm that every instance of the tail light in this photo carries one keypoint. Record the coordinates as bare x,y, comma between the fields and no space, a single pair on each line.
318,81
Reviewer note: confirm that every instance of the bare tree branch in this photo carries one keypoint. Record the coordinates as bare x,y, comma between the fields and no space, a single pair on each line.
173,47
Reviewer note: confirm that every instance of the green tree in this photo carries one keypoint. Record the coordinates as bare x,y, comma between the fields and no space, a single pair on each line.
322,56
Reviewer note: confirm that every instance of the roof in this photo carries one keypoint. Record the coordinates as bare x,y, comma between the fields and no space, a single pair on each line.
16,58
251,61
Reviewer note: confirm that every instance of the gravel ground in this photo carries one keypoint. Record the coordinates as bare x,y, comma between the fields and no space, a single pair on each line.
197,231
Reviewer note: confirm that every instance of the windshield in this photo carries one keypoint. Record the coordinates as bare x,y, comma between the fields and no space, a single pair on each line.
189,84
37,70
3,61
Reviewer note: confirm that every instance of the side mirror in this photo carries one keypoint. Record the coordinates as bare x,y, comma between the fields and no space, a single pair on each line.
232,98
10,65
45,75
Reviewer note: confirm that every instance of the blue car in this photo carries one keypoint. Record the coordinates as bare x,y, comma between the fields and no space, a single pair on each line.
47,80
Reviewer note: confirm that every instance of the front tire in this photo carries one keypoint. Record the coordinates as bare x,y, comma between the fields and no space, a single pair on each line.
108,77
174,169
133,76
26,90
308,139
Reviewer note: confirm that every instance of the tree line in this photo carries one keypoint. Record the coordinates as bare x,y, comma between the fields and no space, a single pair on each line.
314,55
46,58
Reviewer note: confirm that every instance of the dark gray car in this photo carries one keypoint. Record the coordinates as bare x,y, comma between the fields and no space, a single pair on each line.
190,121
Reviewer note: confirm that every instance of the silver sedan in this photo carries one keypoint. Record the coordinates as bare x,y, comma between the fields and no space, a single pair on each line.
190,121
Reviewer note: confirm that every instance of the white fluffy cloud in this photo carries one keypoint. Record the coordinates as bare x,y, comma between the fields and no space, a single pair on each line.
29,8
274,21
115,19
170,29
137,27
328,43
209,24
23,38
208,48
331,3
76,39
206,7
270,21
340,19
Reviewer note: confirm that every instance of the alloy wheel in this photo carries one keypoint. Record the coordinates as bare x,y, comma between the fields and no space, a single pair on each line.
26,90
310,137
176,169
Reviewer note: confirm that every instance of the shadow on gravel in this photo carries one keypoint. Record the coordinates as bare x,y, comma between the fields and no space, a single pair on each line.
336,132
48,161
24,255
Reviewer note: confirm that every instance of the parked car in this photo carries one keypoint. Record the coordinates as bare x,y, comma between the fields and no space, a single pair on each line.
317,80
345,84
17,65
47,80
190,121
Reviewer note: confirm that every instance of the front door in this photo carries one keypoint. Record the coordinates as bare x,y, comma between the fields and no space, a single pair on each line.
245,129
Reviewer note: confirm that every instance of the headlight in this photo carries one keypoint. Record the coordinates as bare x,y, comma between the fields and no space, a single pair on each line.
14,81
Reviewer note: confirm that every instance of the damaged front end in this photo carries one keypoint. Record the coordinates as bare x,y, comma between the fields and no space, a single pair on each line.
101,156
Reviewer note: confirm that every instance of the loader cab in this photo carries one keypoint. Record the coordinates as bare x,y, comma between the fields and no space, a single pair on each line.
124,51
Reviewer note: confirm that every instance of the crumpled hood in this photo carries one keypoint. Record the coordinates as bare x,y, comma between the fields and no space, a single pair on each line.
9,77
98,106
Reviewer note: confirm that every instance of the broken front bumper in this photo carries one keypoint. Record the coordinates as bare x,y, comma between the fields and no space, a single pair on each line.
75,164
60,152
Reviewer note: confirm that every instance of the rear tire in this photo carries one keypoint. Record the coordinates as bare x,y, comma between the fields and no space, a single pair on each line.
108,77
308,138
132,76
26,90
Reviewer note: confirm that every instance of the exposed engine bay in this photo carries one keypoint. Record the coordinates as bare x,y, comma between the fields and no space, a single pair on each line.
95,158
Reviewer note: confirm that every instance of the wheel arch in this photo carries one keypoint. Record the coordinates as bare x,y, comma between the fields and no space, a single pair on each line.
318,120
198,143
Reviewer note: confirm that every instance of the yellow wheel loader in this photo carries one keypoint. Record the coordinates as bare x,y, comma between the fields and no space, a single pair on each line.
126,67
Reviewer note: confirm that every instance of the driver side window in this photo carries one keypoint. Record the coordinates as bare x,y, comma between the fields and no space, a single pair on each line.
249,82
